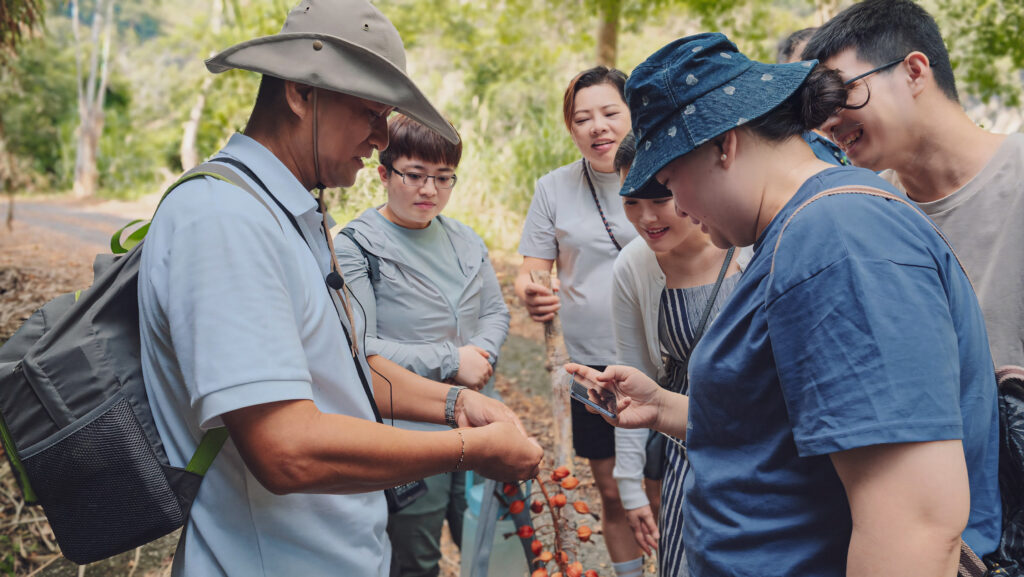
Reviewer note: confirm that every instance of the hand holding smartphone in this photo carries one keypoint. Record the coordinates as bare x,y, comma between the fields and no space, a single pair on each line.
605,405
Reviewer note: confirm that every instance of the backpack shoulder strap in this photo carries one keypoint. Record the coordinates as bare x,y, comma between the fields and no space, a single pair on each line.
210,169
372,261
870,191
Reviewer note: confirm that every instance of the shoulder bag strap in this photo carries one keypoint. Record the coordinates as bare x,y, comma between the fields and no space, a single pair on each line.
870,191
707,314
372,262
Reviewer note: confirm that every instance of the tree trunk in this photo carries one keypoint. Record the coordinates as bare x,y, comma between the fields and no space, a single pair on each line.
91,95
608,33
6,176
190,129
556,358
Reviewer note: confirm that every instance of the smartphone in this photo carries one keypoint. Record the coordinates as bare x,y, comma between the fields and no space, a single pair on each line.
580,393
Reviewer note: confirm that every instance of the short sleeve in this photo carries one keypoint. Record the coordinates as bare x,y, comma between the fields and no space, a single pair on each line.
865,345
539,238
229,305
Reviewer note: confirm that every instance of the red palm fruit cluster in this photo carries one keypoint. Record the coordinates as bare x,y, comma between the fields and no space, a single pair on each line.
570,483
525,532
560,473
537,506
516,507
584,533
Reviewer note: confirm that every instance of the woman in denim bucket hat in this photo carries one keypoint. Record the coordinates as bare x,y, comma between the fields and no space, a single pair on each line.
846,388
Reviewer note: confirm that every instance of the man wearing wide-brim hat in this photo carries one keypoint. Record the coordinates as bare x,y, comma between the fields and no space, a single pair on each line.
245,322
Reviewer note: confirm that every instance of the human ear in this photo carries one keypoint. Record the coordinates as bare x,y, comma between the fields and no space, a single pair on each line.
383,172
299,98
919,71
728,147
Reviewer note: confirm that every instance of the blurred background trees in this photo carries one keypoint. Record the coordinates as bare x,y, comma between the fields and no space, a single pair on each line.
133,85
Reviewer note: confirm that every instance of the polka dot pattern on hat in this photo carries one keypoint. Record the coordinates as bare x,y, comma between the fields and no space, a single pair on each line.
767,77
691,80
730,90
671,131
690,109
726,55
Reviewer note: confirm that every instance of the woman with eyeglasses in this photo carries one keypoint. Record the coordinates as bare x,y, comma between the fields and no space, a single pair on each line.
432,304
576,220
841,418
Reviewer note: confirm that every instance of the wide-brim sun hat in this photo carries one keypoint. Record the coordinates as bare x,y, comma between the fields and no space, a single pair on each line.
694,89
345,46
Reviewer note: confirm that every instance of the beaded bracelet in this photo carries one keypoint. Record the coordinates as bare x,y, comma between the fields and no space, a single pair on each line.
462,452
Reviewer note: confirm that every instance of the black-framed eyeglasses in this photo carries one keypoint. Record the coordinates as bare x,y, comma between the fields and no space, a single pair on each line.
415,179
873,70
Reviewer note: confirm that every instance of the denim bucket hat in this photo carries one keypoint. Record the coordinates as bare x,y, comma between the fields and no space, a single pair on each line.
694,89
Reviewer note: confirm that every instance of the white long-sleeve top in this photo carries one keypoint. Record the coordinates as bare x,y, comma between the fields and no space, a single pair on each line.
637,284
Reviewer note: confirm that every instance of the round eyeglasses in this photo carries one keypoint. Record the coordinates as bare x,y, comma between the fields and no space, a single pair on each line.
416,180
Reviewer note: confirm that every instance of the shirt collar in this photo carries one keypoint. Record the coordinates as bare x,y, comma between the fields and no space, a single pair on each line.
281,182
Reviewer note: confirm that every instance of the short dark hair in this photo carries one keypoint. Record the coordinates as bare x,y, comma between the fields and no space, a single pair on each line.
271,106
591,77
626,153
880,31
410,139
787,46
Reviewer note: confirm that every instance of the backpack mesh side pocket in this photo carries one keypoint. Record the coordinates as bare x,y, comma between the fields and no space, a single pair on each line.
97,479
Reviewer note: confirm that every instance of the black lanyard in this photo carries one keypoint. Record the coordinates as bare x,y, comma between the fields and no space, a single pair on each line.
348,338
593,192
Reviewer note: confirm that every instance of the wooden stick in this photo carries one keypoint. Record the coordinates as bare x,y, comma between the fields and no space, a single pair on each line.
556,358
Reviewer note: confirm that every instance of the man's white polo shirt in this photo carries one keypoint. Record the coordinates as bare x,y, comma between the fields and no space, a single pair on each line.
234,312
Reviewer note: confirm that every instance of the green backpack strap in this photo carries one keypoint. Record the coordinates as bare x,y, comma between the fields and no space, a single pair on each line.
213,439
208,448
211,169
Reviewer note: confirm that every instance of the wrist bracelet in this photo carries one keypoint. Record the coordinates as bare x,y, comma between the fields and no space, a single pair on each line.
449,405
462,452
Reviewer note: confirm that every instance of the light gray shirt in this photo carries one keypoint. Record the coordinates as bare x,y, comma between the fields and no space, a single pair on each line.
233,312
564,225
984,221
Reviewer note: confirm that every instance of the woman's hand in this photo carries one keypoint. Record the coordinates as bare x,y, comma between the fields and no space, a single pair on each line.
474,367
645,528
541,302
638,398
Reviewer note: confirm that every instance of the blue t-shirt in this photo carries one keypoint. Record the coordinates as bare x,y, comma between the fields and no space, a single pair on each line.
868,332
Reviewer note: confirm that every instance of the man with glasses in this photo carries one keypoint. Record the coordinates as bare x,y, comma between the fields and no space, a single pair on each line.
245,322
432,305
905,118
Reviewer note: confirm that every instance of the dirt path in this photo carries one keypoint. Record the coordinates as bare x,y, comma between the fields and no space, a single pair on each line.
50,251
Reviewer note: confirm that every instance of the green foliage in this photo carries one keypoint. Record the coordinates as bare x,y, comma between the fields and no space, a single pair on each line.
984,38
496,69
39,107
17,17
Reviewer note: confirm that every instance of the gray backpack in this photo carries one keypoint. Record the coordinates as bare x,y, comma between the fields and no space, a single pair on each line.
75,420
